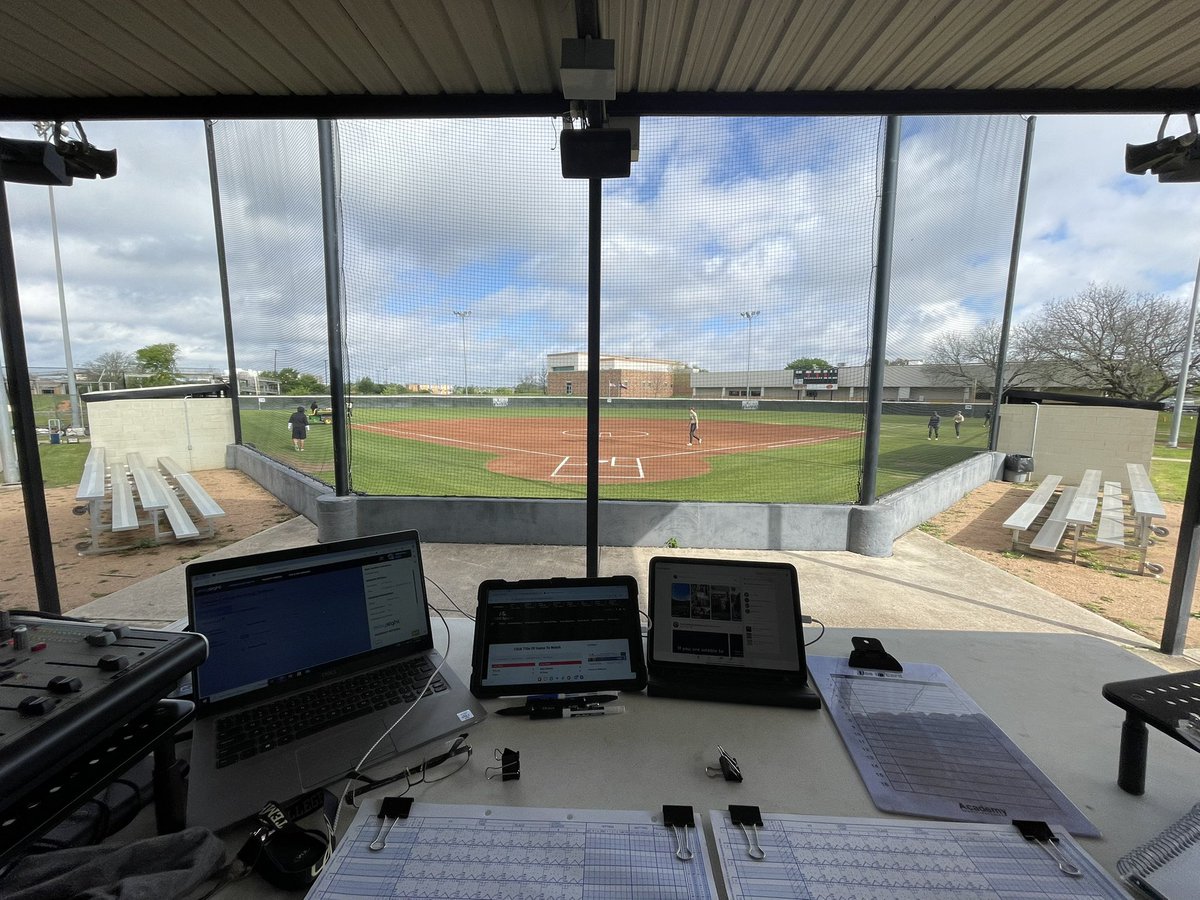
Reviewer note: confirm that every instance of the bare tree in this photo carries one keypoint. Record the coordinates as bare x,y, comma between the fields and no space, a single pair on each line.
111,367
973,357
1106,337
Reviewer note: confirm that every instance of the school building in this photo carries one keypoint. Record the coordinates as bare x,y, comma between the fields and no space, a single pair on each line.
620,376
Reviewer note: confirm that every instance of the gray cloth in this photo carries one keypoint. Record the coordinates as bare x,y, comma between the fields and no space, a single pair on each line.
158,868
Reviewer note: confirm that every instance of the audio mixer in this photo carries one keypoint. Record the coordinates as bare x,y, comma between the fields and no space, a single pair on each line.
78,701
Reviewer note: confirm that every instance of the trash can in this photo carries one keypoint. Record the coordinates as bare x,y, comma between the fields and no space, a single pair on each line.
1017,467
55,437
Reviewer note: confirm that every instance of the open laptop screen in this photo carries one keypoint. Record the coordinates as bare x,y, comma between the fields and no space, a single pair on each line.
729,615
274,618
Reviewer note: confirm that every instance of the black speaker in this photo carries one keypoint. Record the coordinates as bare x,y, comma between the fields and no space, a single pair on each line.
595,152
32,162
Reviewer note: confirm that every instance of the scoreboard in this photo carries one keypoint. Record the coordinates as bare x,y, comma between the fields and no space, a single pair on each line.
815,379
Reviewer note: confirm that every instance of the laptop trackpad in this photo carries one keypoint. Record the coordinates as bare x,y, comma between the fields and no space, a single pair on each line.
331,756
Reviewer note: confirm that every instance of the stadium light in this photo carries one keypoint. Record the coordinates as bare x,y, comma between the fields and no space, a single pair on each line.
1172,159
749,317
463,315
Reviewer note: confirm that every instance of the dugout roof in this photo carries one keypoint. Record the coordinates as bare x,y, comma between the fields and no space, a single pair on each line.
65,59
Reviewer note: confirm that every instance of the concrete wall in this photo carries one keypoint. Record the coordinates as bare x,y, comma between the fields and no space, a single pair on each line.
868,530
194,431
1070,439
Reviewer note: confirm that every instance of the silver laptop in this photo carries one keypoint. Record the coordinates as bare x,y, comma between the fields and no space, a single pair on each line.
313,653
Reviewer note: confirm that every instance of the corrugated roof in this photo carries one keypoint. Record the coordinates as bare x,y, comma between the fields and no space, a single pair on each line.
220,58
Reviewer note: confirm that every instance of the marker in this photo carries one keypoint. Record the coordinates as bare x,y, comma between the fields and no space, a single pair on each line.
597,710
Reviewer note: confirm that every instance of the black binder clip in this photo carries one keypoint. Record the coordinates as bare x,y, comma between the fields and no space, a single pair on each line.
1039,833
728,766
868,653
750,820
679,819
509,768
393,809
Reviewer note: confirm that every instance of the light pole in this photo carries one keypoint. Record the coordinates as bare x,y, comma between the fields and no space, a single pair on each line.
749,317
46,131
1185,366
463,315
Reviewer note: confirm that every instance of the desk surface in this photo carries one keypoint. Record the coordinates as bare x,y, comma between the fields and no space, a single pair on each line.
1043,690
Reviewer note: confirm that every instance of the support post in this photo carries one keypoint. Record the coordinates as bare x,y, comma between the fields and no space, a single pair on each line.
333,306
592,513
12,334
1185,365
1010,290
1187,555
223,272
883,285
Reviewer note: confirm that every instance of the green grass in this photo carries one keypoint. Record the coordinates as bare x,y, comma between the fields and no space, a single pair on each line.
62,464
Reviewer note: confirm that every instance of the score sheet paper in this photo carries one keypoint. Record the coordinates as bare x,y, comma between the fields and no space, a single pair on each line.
923,747
479,852
816,856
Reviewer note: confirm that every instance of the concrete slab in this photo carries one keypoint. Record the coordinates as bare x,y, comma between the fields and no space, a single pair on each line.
925,584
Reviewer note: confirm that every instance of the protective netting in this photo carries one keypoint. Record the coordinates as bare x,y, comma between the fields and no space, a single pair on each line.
737,247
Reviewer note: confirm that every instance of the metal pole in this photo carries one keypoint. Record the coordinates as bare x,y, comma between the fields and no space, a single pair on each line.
1010,291
333,306
749,317
883,285
235,389
8,449
1187,554
72,388
12,337
462,315
592,512
1186,365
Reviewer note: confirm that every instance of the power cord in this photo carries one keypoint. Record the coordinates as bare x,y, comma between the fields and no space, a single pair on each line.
808,620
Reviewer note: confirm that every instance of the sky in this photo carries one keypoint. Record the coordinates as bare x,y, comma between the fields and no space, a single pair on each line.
720,218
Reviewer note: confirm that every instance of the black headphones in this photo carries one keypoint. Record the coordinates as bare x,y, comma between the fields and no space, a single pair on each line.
285,854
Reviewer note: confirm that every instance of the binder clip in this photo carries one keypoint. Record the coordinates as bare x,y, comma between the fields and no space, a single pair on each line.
394,809
868,653
509,768
749,818
728,766
1039,833
679,819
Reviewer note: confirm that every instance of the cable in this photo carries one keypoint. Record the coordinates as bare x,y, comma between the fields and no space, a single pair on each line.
808,619
461,611
342,799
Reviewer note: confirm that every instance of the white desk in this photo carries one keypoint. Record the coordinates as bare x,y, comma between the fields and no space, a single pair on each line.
1042,689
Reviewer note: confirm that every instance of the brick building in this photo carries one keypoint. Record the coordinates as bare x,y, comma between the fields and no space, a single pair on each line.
620,376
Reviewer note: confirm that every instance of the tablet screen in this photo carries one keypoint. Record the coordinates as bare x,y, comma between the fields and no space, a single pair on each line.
733,615
557,636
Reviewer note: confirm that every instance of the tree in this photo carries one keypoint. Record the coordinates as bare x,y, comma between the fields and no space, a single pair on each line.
1106,337
158,361
809,362
532,383
111,367
366,385
971,357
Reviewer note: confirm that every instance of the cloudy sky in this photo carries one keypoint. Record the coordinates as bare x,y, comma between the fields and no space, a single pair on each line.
721,218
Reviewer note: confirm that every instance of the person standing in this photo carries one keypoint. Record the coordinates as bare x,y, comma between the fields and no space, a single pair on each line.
693,424
935,422
299,426
959,418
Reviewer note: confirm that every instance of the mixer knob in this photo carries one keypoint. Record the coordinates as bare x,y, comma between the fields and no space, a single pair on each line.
111,663
119,630
61,684
101,638
35,706
20,638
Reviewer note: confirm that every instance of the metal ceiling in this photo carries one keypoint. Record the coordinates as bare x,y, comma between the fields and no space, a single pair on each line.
341,58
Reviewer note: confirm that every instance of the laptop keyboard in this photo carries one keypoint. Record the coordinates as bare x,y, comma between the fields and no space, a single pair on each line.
249,732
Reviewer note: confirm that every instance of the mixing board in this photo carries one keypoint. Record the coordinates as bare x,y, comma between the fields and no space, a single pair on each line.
68,687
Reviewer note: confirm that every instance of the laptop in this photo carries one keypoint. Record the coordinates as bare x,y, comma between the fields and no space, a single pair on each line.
727,630
313,652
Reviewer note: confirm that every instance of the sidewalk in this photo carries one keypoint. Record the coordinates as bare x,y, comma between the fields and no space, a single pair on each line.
925,584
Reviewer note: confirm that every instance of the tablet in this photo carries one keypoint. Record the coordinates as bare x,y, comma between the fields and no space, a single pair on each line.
559,635
727,630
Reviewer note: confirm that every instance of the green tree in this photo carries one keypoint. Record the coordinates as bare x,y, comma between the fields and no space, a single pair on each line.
158,362
366,385
810,362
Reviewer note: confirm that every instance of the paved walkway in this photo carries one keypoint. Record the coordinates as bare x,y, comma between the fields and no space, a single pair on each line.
925,584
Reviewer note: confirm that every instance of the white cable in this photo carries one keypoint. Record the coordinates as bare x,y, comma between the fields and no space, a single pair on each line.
342,799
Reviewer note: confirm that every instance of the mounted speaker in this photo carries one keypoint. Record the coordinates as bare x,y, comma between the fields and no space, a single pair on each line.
32,162
595,152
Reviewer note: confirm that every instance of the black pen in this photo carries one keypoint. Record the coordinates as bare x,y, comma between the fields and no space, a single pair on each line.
540,704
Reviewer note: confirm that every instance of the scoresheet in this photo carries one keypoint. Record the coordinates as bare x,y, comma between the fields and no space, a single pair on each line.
923,747
814,856
478,852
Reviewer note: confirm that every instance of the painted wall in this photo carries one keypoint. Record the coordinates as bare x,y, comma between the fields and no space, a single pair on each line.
193,431
1067,440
